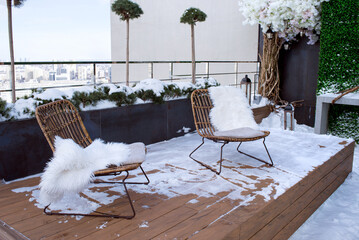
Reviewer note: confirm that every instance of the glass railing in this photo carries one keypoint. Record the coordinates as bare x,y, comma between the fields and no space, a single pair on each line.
62,74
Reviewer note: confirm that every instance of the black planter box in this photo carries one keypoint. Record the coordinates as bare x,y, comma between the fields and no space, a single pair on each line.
24,150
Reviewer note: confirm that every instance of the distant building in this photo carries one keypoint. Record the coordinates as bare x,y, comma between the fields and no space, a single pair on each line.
52,76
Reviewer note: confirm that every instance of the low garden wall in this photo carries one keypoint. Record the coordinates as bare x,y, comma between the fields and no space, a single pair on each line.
24,150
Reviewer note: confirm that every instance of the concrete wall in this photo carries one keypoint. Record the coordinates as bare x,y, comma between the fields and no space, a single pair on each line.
158,35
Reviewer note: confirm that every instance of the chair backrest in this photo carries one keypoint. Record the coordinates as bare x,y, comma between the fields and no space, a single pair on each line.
201,107
61,118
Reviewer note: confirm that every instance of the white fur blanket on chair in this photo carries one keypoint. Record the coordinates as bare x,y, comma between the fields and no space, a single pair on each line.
230,109
71,168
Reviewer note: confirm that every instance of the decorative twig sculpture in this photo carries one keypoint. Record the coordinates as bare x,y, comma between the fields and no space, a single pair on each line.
268,85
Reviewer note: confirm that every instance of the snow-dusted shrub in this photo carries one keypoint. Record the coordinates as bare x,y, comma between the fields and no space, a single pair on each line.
287,17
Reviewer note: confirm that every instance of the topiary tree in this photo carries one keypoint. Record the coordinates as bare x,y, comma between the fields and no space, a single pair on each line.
127,10
192,16
9,3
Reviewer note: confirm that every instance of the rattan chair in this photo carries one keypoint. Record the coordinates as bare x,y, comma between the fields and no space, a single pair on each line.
60,118
201,107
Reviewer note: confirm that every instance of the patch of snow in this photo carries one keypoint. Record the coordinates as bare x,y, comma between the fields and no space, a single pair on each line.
338,216
184,85
353,95
102,226
262,101
103,104
22,108
184,130
155,85
144,224
201,82
193,201
24,189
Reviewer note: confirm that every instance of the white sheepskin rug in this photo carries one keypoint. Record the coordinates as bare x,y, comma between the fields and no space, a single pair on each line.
230,109
71,168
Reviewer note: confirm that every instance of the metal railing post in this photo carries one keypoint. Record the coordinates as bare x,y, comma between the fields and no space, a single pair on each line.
94,74
207,69
171,71
150,70
236,73
12,84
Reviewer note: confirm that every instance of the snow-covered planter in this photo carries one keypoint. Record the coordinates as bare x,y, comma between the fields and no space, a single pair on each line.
24,150
103,96
23,147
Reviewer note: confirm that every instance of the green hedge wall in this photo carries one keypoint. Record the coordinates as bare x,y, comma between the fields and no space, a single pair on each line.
339,46
339,62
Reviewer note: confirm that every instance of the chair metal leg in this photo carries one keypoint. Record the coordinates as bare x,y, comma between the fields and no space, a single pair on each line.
100,214
270,158
144,173
205,165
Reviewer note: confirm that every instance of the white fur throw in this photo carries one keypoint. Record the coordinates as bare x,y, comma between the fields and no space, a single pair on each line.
71,168
230,109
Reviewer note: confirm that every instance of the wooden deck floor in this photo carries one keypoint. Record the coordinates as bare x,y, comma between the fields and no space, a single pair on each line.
160,217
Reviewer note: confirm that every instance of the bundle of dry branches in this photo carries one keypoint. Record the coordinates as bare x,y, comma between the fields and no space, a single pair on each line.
269,76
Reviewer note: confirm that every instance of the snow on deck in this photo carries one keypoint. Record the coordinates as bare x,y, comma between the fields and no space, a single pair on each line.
173,173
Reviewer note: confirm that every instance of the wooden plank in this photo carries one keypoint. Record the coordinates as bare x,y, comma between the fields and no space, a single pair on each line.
199,221
30,182
261,112
177,218
273,227
288,230
247,225
275,207
115,230
94,224
9,233
22,213
161,224
119,205
14,207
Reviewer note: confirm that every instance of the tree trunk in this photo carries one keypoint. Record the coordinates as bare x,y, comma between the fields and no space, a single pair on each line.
127,52
193,56
11,45
269,76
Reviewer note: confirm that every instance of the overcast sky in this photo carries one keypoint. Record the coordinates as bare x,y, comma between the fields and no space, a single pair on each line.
46,30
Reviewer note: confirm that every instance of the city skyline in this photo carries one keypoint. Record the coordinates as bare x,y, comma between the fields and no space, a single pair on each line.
60,31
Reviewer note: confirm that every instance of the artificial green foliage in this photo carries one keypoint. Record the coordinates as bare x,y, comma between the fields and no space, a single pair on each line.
149,95
4,109
193,15
339,62
344,121
79,98
18,3
126,9
121,98
339,46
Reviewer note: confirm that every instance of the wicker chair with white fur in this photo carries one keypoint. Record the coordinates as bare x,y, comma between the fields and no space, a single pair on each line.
60,120
204,116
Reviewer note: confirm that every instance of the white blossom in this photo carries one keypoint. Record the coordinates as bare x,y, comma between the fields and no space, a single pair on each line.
287,17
